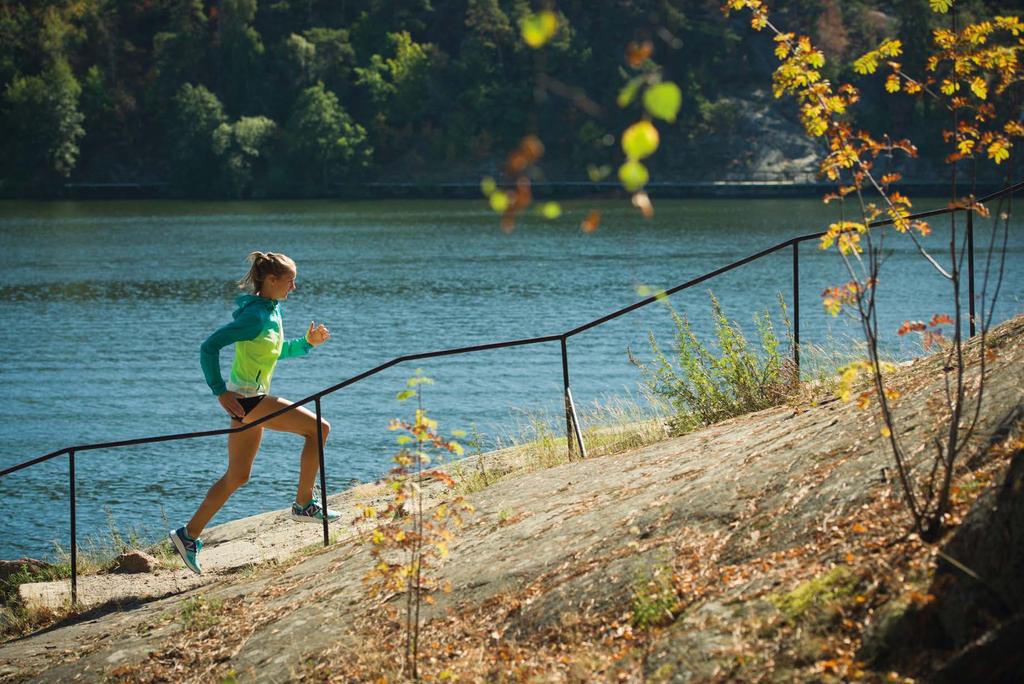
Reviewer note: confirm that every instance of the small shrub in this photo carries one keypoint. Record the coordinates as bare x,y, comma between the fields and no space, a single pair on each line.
703,388
408,544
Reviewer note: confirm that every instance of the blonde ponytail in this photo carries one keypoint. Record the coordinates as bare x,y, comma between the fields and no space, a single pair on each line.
263,264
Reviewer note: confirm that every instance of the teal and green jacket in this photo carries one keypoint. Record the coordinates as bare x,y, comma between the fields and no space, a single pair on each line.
258,336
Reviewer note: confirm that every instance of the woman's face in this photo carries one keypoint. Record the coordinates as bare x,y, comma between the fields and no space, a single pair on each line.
278,287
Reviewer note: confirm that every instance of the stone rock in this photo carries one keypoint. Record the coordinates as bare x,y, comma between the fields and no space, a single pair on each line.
134,562
996,657
990,542
12,567
974,615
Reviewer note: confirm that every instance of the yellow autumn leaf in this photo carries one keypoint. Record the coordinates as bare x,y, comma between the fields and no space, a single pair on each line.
999,151
846,157
979,88
885,432
866,64
890,48
944,38
892,84
940,6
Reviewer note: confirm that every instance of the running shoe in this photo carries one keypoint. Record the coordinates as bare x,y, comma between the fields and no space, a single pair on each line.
312,512
188,548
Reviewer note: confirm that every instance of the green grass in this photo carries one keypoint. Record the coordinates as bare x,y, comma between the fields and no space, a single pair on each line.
611,426
654,599
199,612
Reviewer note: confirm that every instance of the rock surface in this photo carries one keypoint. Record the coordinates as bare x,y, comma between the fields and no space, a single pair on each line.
12,567
545,552
134,562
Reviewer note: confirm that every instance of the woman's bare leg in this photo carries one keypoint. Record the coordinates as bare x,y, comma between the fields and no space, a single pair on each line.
242,448
299,421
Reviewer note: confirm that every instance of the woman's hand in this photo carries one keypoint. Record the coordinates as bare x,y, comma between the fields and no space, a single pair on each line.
229,400
317,334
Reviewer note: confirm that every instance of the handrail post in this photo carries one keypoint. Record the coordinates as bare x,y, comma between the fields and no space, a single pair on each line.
572,423
970,267
796,310
74,531
323,475
565,400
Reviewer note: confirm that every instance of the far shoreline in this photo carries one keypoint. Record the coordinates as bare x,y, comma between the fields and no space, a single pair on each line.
555,190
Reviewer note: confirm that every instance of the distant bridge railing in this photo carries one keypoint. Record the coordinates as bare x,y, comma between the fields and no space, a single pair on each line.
574,436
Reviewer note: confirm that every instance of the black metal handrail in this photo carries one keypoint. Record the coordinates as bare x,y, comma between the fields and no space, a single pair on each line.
574,436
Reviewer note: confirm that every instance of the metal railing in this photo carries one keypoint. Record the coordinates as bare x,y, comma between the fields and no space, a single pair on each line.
574,436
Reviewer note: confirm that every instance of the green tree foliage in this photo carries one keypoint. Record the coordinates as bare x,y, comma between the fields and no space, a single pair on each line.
401,87
179,51
243,150
42,124
195,116
241,52
320,130
333,58
441,88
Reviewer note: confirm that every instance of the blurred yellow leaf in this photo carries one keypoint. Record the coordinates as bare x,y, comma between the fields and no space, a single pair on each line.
487,186
551,210
663,101
633,175
499,201
539,28
629,91
638,141
598,173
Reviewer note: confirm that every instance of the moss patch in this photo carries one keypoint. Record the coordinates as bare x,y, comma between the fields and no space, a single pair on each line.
816,594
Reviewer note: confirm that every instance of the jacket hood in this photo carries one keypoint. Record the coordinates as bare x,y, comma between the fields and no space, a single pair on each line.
243,301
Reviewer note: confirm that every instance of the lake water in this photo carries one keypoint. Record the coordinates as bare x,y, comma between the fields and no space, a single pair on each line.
105,305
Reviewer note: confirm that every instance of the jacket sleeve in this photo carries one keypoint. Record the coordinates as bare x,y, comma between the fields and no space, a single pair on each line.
297,347
247,326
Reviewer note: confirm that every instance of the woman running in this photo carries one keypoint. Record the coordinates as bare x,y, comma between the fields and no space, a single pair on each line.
258,335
